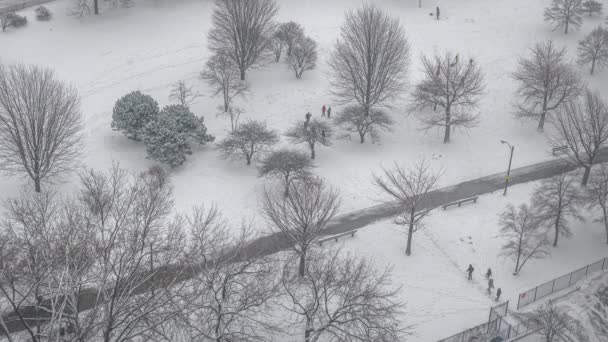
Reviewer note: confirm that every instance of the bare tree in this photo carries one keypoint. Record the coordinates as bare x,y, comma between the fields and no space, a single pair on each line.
452,84
594,49
40,123
592,7
222,74
231,297
183,94
563,13
234,114
289,33
582,125
410,188
597,195
287,164
546,81
242,30
344,298
303,56
248,140
554,201
302,215
524,240
555,324
276,45
312,133
354,119
370,61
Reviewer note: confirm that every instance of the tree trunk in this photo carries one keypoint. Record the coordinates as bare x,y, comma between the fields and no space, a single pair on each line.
242,74
312,151
566,31
302,267
248,157
96,7
606,227
586,175
541,122
37,184
556,232
408,249
307,330
362,137
592,66
286,186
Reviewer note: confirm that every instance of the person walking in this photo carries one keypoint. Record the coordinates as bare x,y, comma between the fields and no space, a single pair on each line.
323,109
498,293
490,285
489,273
328,112
307,117
470,271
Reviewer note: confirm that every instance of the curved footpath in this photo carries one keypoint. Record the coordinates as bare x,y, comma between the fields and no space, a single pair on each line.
358,219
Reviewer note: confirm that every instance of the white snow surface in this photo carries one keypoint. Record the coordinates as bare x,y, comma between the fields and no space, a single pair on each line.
158,42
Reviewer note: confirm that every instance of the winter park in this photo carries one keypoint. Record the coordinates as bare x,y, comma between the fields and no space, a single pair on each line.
282,170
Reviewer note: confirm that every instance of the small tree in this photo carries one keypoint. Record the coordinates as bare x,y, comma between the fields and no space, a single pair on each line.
370,61
303,56
183,94
597,195
289,33
554,201
287,164
248,140
276,45
555,323
222,75
132,113
546,82
582,125
592,7
169,137
43,13
563,13
353,119
524,240
242,31
302,215
452,84
411,188
312,133
344,298
40,123
594,49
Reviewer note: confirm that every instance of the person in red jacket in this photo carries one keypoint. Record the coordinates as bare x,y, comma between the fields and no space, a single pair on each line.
323,110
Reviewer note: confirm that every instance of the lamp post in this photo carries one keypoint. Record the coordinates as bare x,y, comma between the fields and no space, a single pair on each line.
511,148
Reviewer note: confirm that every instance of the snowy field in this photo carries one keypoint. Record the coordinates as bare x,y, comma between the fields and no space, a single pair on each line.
157,42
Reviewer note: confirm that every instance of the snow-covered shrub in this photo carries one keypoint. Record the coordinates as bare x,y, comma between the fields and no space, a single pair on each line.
43,13
132,112
168,138
12,19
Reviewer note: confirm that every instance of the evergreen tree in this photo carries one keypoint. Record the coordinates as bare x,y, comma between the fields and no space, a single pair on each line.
132,112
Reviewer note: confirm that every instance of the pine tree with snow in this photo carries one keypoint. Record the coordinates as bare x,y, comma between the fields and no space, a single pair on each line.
132,113
168,138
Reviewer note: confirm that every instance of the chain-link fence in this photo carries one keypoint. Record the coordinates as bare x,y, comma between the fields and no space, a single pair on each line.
560,283
497,329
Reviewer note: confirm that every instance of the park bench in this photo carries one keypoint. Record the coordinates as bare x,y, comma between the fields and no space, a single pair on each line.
336,237
460,202
559,150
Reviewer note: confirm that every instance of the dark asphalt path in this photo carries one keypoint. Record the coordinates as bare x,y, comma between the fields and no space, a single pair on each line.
358,219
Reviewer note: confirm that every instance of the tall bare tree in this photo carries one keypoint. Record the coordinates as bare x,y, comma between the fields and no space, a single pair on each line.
545,82
597,195
410,188
242,30
563,13
287,164
302,215
353,118
452,84
370,61
183,94
289,33
524,239
582,126
594,49
303,56
312,133
222,74
344,298
555,324
554,201
40,123
247,141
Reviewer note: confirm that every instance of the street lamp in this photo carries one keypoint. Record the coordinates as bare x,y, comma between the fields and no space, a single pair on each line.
511,147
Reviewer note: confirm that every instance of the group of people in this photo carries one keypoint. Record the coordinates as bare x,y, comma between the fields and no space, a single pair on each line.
490,281
325,111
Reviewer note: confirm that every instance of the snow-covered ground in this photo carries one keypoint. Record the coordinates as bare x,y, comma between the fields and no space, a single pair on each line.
158,42
590,305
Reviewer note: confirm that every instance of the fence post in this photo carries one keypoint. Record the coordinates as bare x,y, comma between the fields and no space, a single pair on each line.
604,263
518,299
553,286
536,290
570,281
587,271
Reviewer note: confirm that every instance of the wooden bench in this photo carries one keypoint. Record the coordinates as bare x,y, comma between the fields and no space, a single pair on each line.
560,150
460,202
336,237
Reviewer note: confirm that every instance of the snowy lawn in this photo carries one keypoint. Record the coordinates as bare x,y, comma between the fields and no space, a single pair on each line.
440,299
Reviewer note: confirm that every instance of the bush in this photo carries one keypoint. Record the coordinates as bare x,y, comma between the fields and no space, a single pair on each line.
43,13
17,20
132,113
168,138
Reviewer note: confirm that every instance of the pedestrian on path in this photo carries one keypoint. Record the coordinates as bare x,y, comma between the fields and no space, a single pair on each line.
490,285
307,116
323,109
470,271
498,293
489,273
328,112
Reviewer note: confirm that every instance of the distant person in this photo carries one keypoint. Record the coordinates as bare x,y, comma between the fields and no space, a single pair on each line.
437,12
490,285
328,111
470,271
498,293
307,116
323,110
489,273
